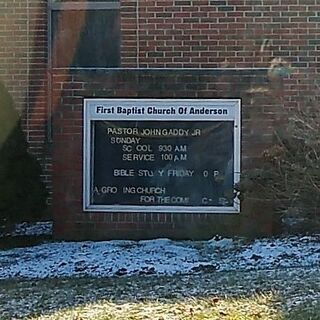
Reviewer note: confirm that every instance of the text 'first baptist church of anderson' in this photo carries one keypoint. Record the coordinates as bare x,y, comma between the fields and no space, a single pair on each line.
154,111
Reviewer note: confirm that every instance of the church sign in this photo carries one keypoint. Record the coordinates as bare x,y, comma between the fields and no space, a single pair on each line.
148,155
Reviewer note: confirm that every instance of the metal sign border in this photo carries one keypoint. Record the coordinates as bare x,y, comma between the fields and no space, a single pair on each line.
87,155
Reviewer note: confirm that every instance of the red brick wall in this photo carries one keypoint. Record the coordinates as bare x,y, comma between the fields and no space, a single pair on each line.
219,33
23,68
227,34
197,34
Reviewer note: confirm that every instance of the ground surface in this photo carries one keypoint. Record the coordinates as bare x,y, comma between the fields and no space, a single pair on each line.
283,294
162,279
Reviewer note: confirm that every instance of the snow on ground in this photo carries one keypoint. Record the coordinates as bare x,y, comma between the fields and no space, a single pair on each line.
160,256
28,229
32,229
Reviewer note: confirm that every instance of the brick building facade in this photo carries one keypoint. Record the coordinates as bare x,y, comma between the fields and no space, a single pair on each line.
262,51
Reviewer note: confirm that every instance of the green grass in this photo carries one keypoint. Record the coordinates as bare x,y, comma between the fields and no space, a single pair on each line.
287,294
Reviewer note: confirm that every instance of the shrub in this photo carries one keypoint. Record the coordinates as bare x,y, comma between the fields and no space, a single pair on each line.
290,172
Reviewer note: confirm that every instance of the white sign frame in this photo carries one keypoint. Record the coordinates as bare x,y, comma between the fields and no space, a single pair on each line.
213,109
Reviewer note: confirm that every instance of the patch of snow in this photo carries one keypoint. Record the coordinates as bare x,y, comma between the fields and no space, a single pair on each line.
33,229
160,256
219,243
28,229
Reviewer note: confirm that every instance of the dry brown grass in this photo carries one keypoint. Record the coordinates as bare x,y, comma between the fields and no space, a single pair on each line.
256,307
